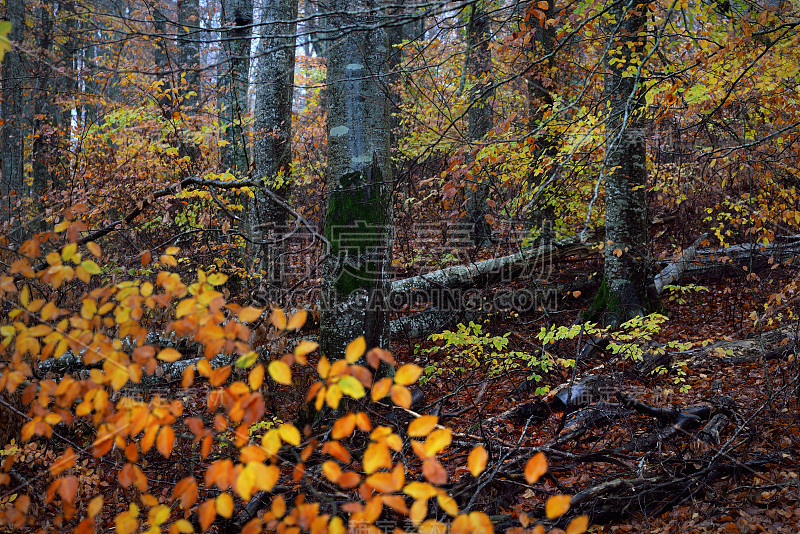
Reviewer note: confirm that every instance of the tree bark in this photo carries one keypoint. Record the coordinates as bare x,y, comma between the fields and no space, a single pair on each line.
272,140
189,53
14,125
357,275
538,82
479,117
161,55
626,253
237,17
43,109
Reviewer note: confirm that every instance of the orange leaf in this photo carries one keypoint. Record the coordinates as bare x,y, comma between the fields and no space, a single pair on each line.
355,349
344,426
297,321
381,388
476,462
169,355
422,426
250,314
579,525
207,513
401,396
557,505
278,318
535,468
407,374
437,441
434,471
165,441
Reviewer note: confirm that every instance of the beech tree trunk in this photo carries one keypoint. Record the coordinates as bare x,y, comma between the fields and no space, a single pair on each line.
357,274
272,147
480,118
539,81
237,18
626,256
14,125
161,54
43,109
189,53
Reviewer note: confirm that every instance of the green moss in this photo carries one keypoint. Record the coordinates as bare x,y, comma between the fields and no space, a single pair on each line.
356,222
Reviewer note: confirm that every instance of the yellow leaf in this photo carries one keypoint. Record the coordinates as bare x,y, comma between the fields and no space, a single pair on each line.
289,434
247,359
556,506
476,462
332,471
90,267
297,321
437,441
95,505
244,483
376,456
355,349
181,526
422,426
336,526
68,251
172,250
351,387
224,505
278,318
280,372
94,248
158,515
448,504
256,377
217,279
420,490
407,374
579,525
271,441
535,468
250,314
333,395
169,355
304,348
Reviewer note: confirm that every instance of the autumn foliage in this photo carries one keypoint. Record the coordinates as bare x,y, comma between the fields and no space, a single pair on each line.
344,477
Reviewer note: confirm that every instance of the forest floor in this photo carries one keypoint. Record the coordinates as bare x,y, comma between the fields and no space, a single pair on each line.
633,473
764,422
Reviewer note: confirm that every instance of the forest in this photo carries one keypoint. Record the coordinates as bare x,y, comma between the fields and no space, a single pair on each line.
427,266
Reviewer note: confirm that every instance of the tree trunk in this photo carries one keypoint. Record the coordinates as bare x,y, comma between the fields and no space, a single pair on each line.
161,55
189,53
539,100
14,125
479,66
272,139
357,275
42,107
626,255
237,18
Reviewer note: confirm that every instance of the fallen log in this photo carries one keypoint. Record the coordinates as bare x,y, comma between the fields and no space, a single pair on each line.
534,262
673,271
755,254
